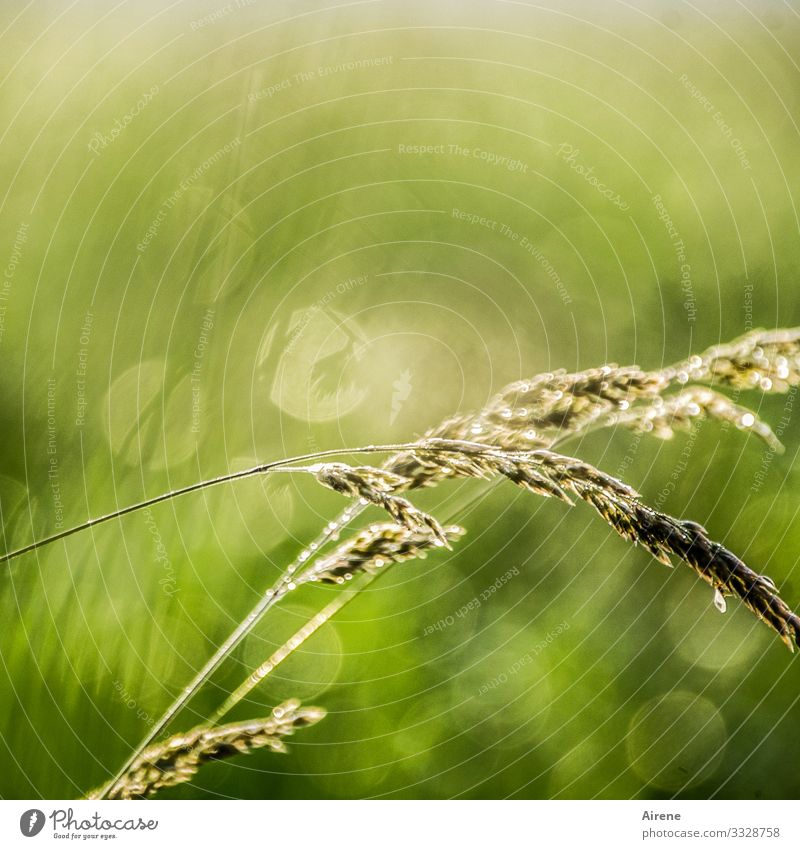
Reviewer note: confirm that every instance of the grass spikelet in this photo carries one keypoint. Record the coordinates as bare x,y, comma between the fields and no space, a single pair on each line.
664,416
377,486
560,401
540,471
513,437
376,546
664,536
729,576
548,473
179,758
453,427
761,359
537,412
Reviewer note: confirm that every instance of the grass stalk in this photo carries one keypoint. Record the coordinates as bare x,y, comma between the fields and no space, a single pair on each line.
524,417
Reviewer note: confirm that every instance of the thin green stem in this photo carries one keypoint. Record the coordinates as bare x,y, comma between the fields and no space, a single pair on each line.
316,622
276,592
275,465
344,597
270,598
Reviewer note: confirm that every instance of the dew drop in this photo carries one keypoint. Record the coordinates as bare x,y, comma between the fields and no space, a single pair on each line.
769,583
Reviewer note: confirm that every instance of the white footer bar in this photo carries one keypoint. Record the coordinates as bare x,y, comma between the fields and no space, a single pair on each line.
404,824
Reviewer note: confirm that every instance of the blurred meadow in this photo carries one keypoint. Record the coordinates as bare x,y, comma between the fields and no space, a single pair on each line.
238,232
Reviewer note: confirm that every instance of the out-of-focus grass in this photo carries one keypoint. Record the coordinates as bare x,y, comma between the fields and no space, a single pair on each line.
309,282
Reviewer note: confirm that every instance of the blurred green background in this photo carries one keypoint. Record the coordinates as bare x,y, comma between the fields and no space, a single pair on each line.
251,230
